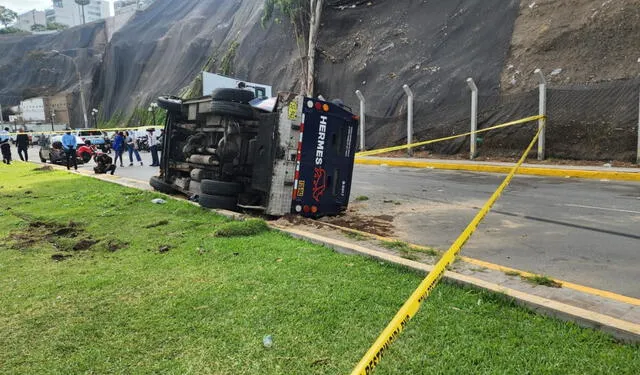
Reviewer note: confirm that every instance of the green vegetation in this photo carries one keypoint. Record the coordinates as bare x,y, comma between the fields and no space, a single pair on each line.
56,26
7,16
542,280
227,63
250,227
407,251
362,198
38,27
354,235
94,278
512,273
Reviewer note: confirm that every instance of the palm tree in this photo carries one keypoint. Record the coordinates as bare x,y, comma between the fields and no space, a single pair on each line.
82,3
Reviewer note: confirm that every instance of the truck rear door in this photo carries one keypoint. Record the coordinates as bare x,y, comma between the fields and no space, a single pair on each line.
326,152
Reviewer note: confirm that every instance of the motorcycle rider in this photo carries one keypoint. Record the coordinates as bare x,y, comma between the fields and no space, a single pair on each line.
104,164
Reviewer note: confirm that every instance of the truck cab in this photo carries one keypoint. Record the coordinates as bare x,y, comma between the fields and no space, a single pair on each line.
294,155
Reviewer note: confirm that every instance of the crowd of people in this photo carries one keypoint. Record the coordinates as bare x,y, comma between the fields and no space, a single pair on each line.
122,141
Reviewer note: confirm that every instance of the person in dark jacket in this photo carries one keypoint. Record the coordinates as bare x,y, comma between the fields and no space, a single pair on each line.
118,147
104,164
22,143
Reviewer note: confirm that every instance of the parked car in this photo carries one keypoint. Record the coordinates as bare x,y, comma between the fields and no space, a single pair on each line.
97,138
51,149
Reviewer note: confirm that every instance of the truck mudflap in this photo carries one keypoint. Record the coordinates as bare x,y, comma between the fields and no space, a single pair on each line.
325,159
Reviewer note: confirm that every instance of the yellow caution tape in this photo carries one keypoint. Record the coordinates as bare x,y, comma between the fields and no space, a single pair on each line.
418,144
88,129
411,306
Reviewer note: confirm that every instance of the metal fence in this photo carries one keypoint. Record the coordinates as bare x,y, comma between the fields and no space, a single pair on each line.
590,121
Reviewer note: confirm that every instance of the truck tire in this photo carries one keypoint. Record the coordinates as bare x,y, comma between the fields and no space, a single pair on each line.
170,103
41,158
221,188
238,110
232,95
218,201
161,186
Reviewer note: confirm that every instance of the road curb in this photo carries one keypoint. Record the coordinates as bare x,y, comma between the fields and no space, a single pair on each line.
534,171
620,329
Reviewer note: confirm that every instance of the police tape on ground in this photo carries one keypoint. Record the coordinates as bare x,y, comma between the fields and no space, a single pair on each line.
373,356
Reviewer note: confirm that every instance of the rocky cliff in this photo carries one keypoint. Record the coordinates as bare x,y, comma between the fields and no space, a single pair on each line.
375,46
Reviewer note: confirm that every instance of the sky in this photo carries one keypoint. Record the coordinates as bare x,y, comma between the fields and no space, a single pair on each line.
22,6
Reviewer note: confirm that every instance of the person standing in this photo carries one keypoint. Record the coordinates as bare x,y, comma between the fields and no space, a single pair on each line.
22,143
153,147
5,145
132,148
118,147
69,144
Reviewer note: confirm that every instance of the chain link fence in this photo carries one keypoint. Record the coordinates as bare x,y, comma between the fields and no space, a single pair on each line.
591,121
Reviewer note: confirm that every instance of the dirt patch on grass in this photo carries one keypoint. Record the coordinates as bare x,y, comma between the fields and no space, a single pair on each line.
42,232
380,225
115,245
158,224
44,168
60,257
84,244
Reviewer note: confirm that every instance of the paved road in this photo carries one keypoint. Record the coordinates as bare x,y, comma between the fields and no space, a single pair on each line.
584,231
136,171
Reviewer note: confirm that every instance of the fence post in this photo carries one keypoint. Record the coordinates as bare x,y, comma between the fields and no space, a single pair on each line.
474,117
362,112
409,118
542,112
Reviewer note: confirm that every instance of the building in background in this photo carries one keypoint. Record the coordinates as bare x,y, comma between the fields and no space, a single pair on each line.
59,108
26,20
67,12
50,14
34,110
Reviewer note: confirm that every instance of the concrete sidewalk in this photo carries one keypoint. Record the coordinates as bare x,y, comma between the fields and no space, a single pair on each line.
549,170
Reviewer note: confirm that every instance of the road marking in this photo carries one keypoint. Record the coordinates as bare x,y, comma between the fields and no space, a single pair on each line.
631,175
603,208
497,267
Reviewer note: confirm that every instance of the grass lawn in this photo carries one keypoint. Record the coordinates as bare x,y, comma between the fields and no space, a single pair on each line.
152,289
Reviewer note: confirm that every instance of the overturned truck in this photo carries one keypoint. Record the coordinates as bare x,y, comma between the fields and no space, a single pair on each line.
288,154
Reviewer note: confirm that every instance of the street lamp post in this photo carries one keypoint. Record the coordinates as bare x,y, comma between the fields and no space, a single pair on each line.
53,117
152,110
94,114
84,106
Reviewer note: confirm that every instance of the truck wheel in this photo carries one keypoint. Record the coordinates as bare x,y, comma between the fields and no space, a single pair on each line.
161,186
239,110
41,158
218,201
170,103
222,188
232,95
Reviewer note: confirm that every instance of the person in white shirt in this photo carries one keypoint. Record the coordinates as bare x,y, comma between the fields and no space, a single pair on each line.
152,141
